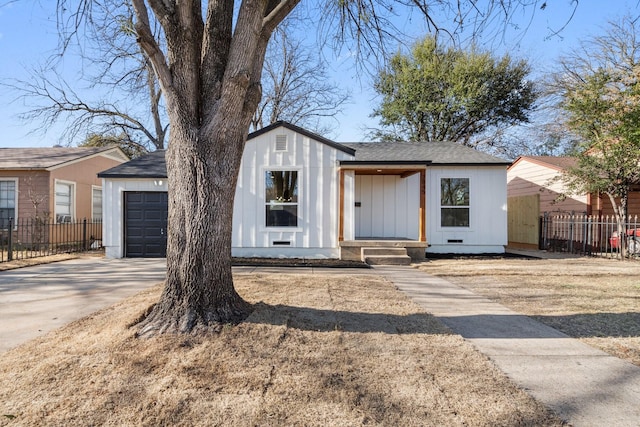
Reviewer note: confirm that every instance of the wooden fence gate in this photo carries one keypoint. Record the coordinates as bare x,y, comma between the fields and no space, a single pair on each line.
523,219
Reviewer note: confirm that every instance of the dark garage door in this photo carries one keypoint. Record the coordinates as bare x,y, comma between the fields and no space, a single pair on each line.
145,224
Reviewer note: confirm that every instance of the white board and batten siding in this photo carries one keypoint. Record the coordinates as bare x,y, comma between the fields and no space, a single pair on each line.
388,206
487,231
316,235
113,190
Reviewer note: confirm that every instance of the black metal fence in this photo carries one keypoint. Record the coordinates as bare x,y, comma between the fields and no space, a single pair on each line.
32,238
590,235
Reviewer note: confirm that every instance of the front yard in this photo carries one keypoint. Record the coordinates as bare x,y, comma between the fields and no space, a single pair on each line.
345,350
593,299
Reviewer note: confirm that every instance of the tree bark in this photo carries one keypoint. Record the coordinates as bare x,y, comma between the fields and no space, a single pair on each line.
199,295
212,88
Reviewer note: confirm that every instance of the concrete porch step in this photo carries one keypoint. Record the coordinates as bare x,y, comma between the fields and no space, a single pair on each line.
381,255
379,250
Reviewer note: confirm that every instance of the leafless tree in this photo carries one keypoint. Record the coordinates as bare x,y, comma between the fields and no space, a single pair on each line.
115,65
209,68
296,87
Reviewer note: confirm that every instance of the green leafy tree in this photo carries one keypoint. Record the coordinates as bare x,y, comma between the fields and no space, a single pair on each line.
442,93
599,90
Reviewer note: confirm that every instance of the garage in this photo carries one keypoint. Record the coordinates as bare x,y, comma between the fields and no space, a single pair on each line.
145,224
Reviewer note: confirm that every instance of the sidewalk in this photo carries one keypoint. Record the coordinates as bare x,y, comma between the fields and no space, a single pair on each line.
584,386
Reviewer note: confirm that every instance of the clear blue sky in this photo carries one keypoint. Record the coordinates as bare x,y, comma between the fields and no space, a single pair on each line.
28,36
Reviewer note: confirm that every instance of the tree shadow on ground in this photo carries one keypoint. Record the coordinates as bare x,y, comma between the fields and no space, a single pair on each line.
598,325
515,326
326,320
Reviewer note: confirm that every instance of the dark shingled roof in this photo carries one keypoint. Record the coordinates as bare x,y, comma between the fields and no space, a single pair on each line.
46,157
435,153
151,165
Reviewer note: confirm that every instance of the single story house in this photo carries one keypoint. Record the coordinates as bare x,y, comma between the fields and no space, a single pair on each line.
302,195
58,184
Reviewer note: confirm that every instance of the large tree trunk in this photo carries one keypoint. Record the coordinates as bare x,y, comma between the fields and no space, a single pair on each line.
199,293
210,77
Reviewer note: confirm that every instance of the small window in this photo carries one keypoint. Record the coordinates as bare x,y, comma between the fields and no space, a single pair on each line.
281,196
281,142
64,202
96,204
454,202
7,202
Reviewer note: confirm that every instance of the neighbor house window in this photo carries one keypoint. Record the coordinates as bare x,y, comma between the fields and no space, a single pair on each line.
281,196
64,201
96,203
454,202
7,202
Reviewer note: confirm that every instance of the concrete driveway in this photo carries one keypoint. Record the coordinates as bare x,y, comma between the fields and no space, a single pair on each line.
35,300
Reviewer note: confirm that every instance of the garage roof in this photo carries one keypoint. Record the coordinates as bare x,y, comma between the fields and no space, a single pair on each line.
151,165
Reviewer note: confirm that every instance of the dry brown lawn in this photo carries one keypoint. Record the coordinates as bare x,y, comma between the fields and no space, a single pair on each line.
20,263
317,351
595,300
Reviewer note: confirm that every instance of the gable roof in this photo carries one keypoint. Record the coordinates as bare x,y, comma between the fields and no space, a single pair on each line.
559,163
341,147
433,153
153,165
49,158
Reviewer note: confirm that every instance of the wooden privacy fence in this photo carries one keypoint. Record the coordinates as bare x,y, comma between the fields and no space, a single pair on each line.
589,235
32,238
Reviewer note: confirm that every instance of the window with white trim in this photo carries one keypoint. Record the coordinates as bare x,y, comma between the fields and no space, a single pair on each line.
64,201
281,197
8,201
454,202
96,203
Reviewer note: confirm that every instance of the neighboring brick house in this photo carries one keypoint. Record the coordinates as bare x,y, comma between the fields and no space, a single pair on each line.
55,183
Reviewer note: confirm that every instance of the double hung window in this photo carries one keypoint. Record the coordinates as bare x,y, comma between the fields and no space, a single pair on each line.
96,203
7,202
64,201
454,202
281,197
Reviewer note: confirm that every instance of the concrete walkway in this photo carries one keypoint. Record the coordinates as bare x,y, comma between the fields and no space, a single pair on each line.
584,386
